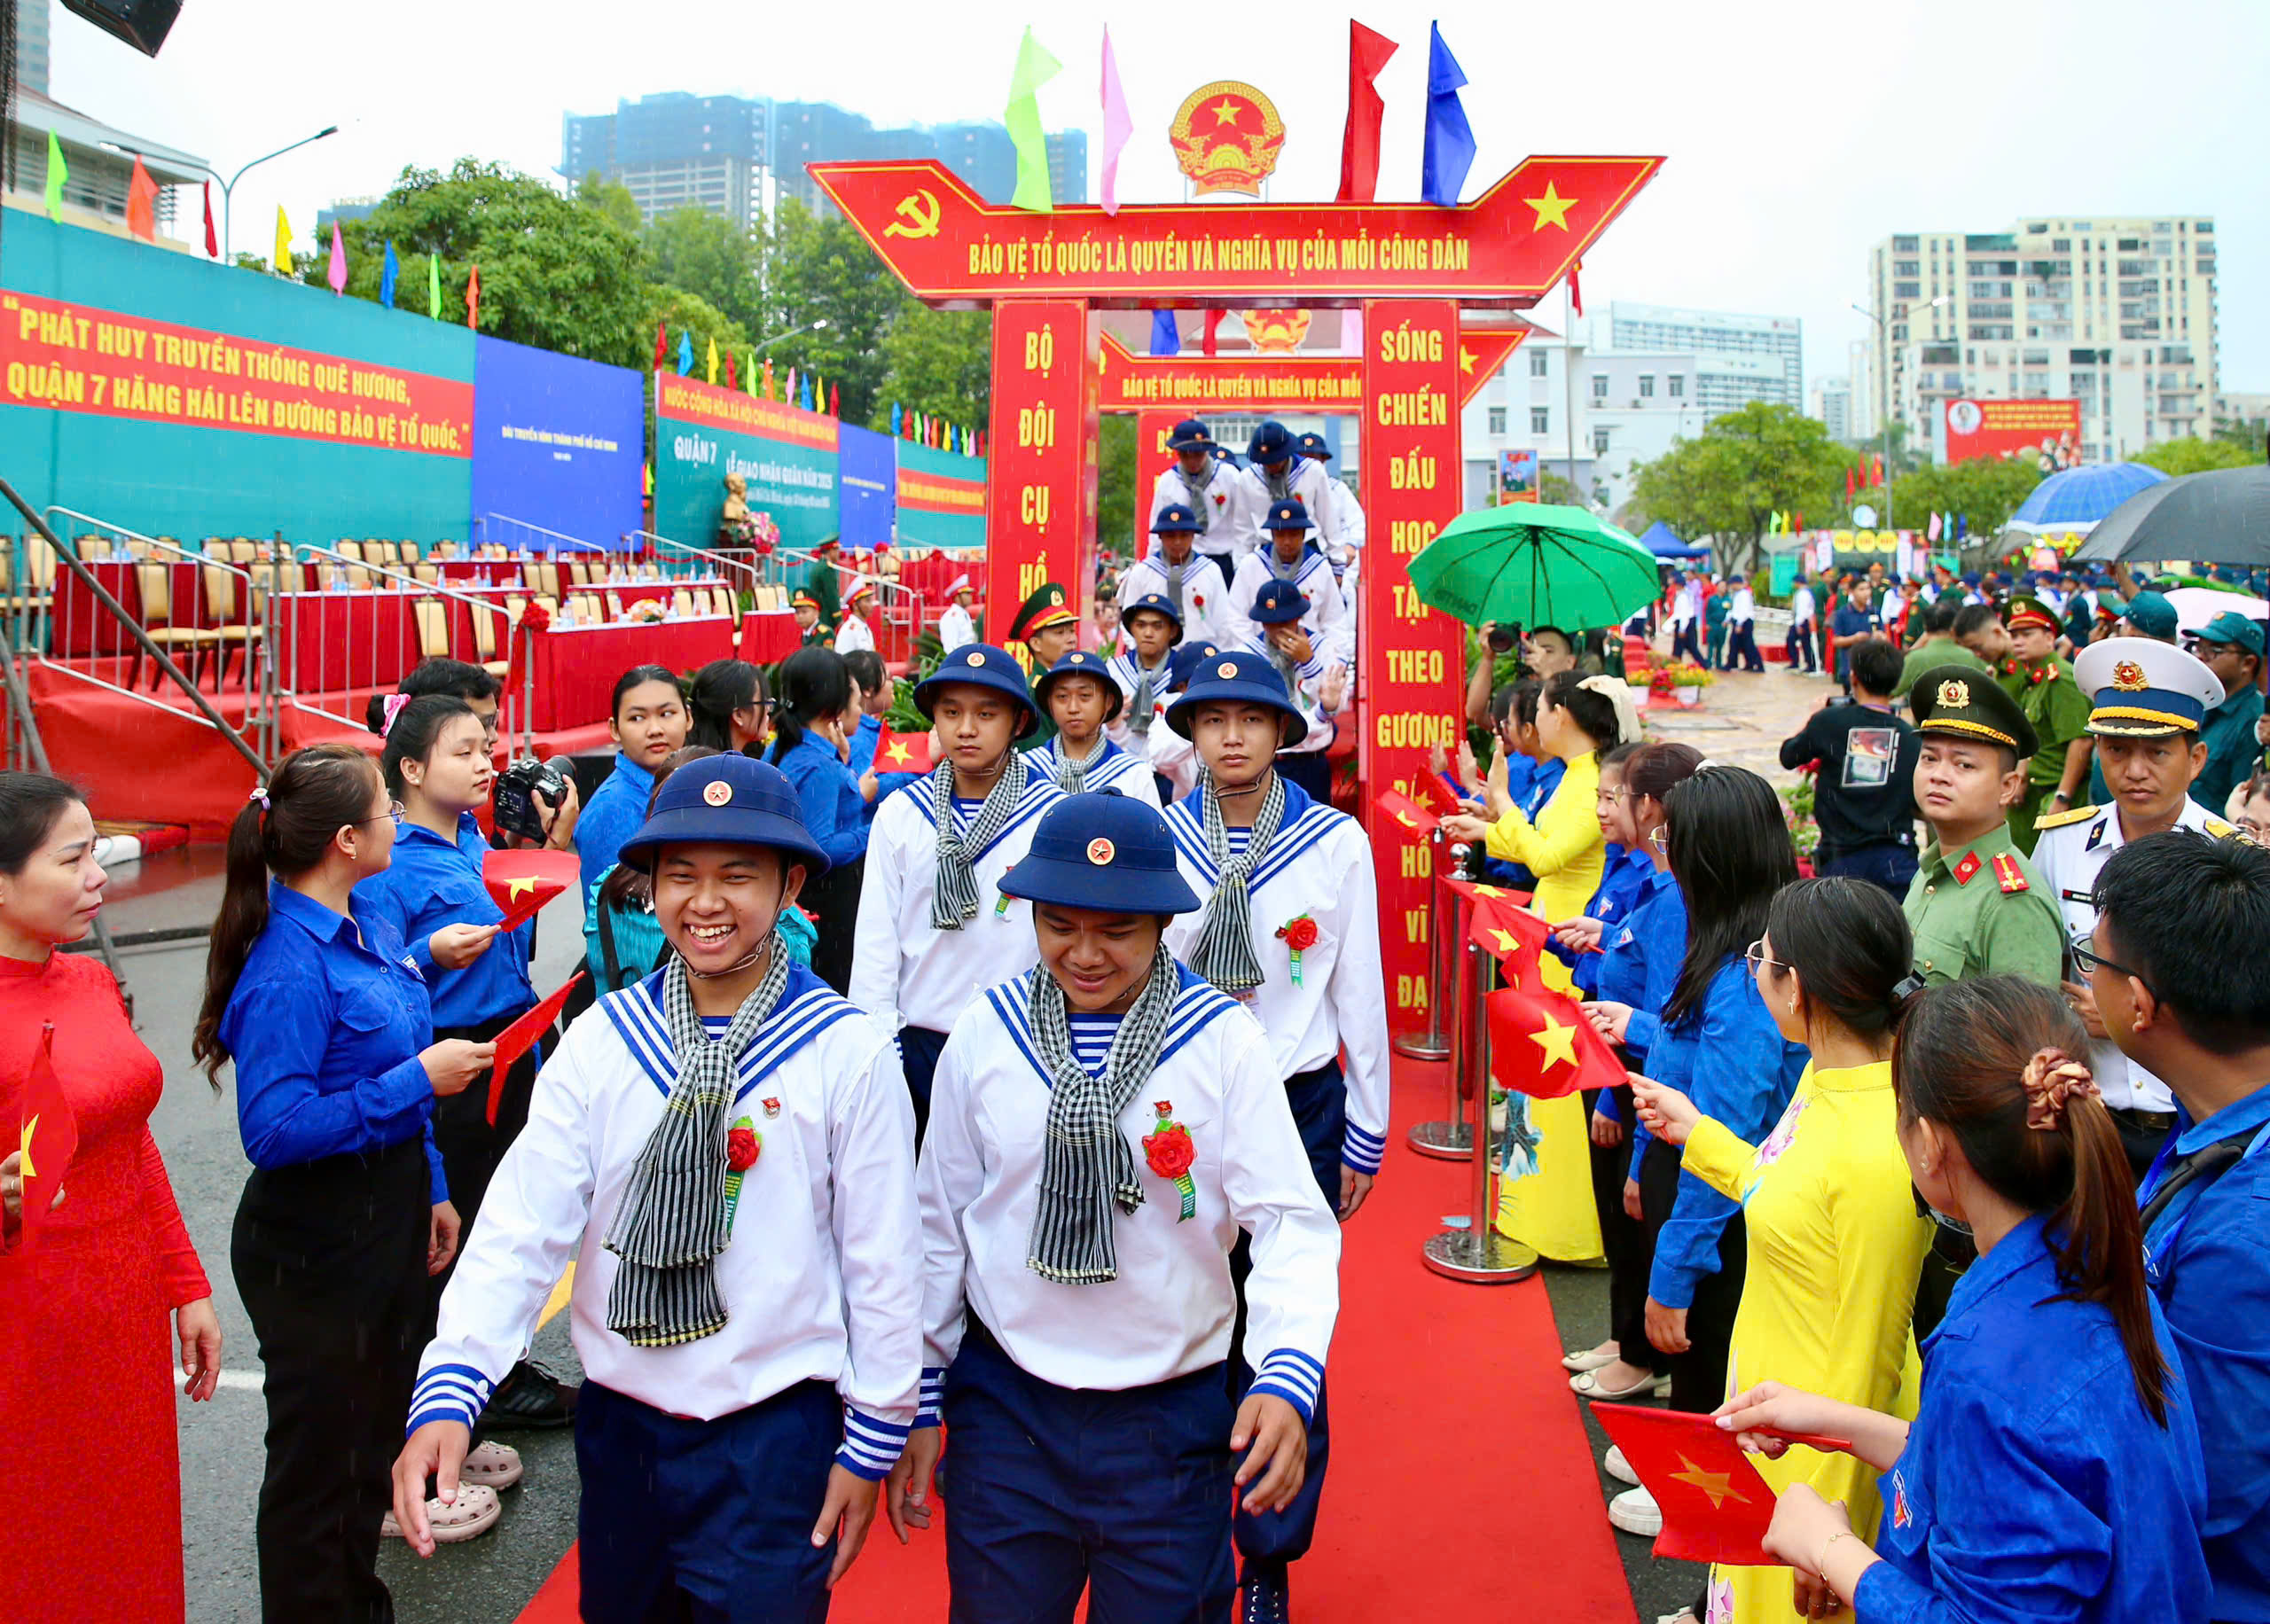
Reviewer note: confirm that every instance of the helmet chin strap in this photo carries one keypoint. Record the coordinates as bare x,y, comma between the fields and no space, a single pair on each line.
1233,792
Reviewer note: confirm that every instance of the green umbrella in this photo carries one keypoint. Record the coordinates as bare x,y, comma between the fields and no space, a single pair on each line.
1534,563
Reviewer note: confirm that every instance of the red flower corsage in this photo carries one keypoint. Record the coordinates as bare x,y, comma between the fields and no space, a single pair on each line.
535,616
742,1147
1299,934
1170,1153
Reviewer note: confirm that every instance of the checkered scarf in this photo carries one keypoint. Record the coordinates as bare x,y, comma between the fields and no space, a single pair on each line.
1197,489
953,899
1224,954
671,1223
1087,1167
1142,707
1071,776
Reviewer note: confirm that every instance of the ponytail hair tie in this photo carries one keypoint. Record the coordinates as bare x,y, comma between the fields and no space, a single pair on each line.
394,704
2053,1081
259,796
1904,988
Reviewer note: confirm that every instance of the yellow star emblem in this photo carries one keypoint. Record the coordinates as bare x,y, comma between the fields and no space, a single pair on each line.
1226,112
1508,943
1464,359
1405,818
519,888
24,1169
1552,208
1719,1485
897,751
1558,1042
1488,890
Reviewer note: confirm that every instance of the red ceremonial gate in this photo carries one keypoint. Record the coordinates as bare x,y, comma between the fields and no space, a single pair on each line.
1410,266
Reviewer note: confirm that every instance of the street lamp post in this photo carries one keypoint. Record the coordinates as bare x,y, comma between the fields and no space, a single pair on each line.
1884,391
792,333
229,186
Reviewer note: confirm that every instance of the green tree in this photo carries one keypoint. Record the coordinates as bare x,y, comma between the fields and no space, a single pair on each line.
1984,490
1116,482
2190,456
823,269
612,200
1748,465
709,255
939,361
2249,433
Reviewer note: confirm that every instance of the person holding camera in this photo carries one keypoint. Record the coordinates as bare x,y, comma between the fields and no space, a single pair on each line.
434,894
312,993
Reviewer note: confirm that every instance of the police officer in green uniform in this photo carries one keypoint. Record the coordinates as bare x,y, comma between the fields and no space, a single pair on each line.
1043,632
2057,709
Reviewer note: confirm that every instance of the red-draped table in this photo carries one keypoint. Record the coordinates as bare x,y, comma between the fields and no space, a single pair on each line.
575,668
350,639
768,639
82,626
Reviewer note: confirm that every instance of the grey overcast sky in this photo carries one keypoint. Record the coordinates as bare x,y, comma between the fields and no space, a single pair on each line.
1798,131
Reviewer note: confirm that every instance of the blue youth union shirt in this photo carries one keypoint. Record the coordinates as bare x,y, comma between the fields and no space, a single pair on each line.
431,882
616,810
326,1024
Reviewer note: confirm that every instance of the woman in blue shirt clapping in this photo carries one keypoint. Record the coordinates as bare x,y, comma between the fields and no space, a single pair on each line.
319,1003
809,746
2053,1472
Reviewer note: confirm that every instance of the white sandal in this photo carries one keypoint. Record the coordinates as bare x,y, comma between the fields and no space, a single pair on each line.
474,1514
492,1465
1586,1384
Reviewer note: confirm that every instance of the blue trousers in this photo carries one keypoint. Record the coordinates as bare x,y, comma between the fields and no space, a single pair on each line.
1686,640
707,1520
1888,865
1319,1102
918,1049
1053,1490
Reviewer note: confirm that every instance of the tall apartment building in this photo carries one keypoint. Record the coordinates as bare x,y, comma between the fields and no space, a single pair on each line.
2118,313
1831,405
32,61
735,155
1780,339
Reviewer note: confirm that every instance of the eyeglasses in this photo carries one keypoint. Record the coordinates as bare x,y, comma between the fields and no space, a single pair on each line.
1755,956
393,812
2256,830
2087,960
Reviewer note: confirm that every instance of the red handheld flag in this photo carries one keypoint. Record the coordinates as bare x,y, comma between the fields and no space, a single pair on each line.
1541,1045
903,752
522,882
1413,819
1715,1507
517,1039
1359,143
48,1137
1498,924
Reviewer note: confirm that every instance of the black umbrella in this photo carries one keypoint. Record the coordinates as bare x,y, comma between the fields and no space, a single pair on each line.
2222,517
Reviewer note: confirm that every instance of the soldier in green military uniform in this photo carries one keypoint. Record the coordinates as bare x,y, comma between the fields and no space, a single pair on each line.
2042,683
819,580
1977,905
1043,632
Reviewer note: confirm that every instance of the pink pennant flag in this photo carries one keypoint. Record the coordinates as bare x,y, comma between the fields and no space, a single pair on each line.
1117,126
337,261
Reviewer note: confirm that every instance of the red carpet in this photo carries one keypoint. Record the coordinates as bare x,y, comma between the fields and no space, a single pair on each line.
1462,1486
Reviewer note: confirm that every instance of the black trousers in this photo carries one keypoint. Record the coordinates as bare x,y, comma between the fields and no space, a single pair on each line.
1623,1239
1698,1377
832,899
1952,1252
330,1259
1798,645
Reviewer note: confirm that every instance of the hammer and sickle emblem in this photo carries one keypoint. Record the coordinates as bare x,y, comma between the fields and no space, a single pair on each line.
918,216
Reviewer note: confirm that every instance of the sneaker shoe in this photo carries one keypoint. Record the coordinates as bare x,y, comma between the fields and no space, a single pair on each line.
474,1514
491,1464
1635,1511
531,1397
1264,1594
1618,1468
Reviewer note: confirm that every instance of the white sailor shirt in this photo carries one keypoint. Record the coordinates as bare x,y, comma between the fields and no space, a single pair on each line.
1116,769
1170,1311
1126,669
1347,513
955,629
819,1282
1318,867
1221,504
2068,856
853,635
1306,686
1205,594
905,971
1311,572
1309,483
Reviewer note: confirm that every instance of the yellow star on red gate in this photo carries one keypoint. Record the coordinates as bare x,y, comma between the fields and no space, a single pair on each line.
1552,208
1558,1042
1464,359
1719,1485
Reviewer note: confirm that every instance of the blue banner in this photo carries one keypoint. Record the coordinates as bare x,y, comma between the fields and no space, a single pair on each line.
557,444
866,486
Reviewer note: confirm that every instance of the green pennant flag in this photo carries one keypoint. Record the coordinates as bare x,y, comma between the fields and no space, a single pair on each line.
1035,67
433,285
58,172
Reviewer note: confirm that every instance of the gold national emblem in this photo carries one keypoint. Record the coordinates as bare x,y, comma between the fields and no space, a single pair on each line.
1101,852
1226,138
1954,695
717,792
2128,676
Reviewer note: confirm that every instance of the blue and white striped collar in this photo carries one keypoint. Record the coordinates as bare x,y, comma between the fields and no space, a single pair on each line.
1305,822
808,1007
1196,1006
1108,768
1040,789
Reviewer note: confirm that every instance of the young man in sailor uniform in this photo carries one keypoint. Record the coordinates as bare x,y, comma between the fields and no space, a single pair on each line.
2149,701
740,1400
1186,578
1277,473
935,928
1314,675
1346,524
1154,627
1291,929
1078,694
1212,491
855,634
1107,1126
1289,557
956,626
1172,758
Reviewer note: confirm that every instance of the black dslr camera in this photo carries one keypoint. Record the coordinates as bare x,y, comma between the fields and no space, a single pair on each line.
517,812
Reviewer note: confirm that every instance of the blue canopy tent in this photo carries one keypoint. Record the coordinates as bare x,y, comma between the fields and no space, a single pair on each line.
1663,541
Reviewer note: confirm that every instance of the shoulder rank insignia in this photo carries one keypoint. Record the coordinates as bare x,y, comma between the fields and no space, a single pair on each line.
2058,820
2008,874
2222,831
1968,866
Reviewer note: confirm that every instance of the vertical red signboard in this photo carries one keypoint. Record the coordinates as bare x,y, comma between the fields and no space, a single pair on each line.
1411,656
1152,458
1042,471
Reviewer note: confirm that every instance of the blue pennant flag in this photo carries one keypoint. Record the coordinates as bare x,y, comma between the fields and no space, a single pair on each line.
684,353
387,276
1961,526
1450,139
1166,338
897,420
953,438
806,403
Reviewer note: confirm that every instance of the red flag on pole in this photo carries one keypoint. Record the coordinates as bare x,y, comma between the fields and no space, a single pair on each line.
1413,819
1879,479
1359,143
661,352
47,1136
1852,484
211,239
732,378
1541,1045
522,882
522,1036
1716,1507
472,299
835,400
142,203
1212,346
903,752
1576,287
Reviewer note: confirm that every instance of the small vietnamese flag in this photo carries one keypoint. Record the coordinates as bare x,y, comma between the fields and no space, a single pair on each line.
1541,1045
1498,924
522,882
1409,815
903,752
1716,1507
47,1137
522,1036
